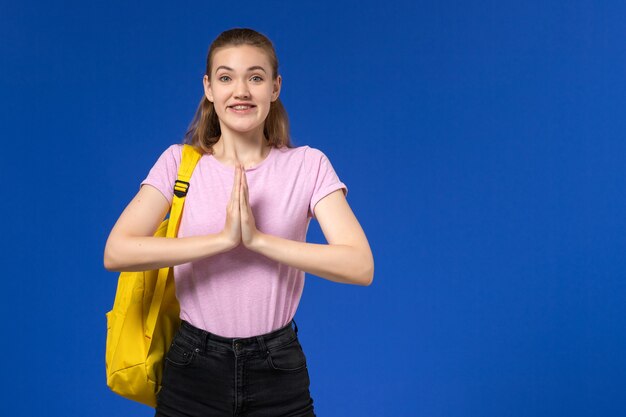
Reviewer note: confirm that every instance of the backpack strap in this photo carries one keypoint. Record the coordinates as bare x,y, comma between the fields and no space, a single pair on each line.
189,161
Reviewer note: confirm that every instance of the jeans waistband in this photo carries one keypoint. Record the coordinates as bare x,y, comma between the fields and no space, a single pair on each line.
206,340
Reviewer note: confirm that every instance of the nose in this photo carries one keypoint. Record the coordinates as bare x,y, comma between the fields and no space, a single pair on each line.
241,90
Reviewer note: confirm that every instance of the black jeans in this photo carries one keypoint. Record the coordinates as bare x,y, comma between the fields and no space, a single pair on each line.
210,375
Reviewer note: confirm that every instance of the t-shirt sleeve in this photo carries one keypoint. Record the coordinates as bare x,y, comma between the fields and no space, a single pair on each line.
163,173
326,179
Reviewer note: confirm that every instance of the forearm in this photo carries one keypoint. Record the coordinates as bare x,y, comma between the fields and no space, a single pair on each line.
148,253
338,263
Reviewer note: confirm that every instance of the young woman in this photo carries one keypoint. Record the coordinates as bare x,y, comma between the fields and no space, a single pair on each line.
241,252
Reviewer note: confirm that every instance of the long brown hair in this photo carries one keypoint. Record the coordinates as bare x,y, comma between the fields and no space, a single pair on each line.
204,130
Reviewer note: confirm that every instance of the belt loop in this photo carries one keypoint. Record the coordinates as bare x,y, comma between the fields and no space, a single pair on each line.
294,323
205,340
262,344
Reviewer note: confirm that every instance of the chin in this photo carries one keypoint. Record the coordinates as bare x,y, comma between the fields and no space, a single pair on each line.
242,128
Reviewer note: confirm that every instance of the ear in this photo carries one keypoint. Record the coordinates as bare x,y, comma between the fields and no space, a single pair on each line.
276,87
207,88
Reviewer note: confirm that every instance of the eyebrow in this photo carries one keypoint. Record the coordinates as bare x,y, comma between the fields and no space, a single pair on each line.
256,67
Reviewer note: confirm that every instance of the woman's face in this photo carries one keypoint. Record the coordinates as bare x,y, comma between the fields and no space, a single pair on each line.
241,75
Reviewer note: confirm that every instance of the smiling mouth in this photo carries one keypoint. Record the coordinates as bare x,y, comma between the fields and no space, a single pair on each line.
241,107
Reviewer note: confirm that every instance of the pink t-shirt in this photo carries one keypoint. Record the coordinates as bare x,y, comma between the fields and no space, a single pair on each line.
241,293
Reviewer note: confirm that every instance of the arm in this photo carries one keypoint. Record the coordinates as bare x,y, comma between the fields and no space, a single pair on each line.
131,245
347,258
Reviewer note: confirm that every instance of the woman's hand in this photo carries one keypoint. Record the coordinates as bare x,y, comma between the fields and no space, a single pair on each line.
249,232
240,226
232,228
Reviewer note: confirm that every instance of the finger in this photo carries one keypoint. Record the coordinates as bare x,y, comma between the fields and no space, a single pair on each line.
245,203
246,190
235,191
242,192
238,181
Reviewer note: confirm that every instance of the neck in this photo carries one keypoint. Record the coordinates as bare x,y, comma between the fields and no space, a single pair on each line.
248,148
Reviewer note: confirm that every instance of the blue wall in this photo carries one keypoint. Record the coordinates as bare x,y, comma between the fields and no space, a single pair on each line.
483,146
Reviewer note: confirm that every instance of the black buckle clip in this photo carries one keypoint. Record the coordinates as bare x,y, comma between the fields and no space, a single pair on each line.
181,188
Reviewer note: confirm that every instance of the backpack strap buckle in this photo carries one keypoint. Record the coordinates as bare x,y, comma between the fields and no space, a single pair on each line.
181,188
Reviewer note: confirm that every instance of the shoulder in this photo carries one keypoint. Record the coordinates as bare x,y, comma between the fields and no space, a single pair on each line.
312,153
303,153
292,156
175,150
168,161
296,150
305,156
316,159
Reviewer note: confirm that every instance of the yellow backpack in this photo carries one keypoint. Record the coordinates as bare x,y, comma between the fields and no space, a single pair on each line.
146,313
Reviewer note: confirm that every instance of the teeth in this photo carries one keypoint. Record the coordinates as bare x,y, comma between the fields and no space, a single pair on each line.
241,107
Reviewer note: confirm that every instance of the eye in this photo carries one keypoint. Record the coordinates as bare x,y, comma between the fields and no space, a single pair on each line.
224,76
257,78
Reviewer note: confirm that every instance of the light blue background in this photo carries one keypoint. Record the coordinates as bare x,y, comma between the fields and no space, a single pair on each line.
483,146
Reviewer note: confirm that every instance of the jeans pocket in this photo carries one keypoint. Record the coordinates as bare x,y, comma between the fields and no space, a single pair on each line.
287,358
179,354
